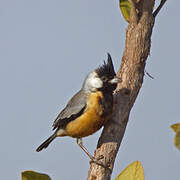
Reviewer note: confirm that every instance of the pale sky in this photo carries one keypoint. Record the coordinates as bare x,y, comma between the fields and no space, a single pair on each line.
46,50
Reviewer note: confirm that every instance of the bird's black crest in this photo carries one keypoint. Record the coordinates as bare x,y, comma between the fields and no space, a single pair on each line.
107,69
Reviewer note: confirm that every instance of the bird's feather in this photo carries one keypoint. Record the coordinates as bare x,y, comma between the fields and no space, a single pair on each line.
74,109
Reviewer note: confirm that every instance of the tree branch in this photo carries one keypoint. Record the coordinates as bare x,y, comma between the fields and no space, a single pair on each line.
133,13
159,7
147,7
137,48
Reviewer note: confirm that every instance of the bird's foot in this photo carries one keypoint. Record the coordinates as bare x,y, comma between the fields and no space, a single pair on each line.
98,162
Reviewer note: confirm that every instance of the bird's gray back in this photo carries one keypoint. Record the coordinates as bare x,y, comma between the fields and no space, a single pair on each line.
74,109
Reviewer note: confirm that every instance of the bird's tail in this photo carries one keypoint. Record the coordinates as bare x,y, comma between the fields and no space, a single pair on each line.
46,143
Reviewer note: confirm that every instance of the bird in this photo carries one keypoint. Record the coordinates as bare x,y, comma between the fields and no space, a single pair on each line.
89,109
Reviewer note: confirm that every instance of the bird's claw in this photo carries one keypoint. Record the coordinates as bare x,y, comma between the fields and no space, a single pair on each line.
96,161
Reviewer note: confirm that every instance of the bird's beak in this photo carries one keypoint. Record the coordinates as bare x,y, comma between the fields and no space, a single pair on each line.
115,80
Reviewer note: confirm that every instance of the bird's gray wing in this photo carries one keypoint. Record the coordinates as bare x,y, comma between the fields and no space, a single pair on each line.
74,109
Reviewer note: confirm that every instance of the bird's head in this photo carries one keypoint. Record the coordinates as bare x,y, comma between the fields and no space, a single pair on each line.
102,78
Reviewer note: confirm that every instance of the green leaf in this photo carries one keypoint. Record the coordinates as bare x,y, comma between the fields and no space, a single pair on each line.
176,128
125,7
134,171
32,175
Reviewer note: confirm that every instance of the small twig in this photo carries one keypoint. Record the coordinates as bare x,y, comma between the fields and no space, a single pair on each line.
148,74
159,7
133,13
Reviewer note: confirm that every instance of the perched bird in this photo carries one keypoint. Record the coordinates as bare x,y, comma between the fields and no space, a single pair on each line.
89,109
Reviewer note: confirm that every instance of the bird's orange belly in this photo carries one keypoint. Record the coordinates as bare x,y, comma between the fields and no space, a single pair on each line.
90,121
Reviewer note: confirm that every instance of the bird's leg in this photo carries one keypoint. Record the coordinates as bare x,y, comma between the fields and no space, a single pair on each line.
79,142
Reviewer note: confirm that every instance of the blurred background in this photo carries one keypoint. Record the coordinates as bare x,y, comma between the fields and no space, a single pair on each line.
46,50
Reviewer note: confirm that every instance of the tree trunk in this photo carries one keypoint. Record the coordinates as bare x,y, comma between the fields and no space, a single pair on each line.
137,49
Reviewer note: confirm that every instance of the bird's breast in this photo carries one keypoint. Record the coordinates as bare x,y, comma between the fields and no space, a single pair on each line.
92,118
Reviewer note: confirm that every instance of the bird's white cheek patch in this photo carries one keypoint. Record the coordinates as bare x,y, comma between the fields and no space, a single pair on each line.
96,82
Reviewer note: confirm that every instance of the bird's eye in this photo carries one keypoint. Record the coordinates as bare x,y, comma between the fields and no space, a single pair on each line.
104,78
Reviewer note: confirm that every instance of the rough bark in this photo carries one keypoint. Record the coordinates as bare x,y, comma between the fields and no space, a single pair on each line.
137,49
